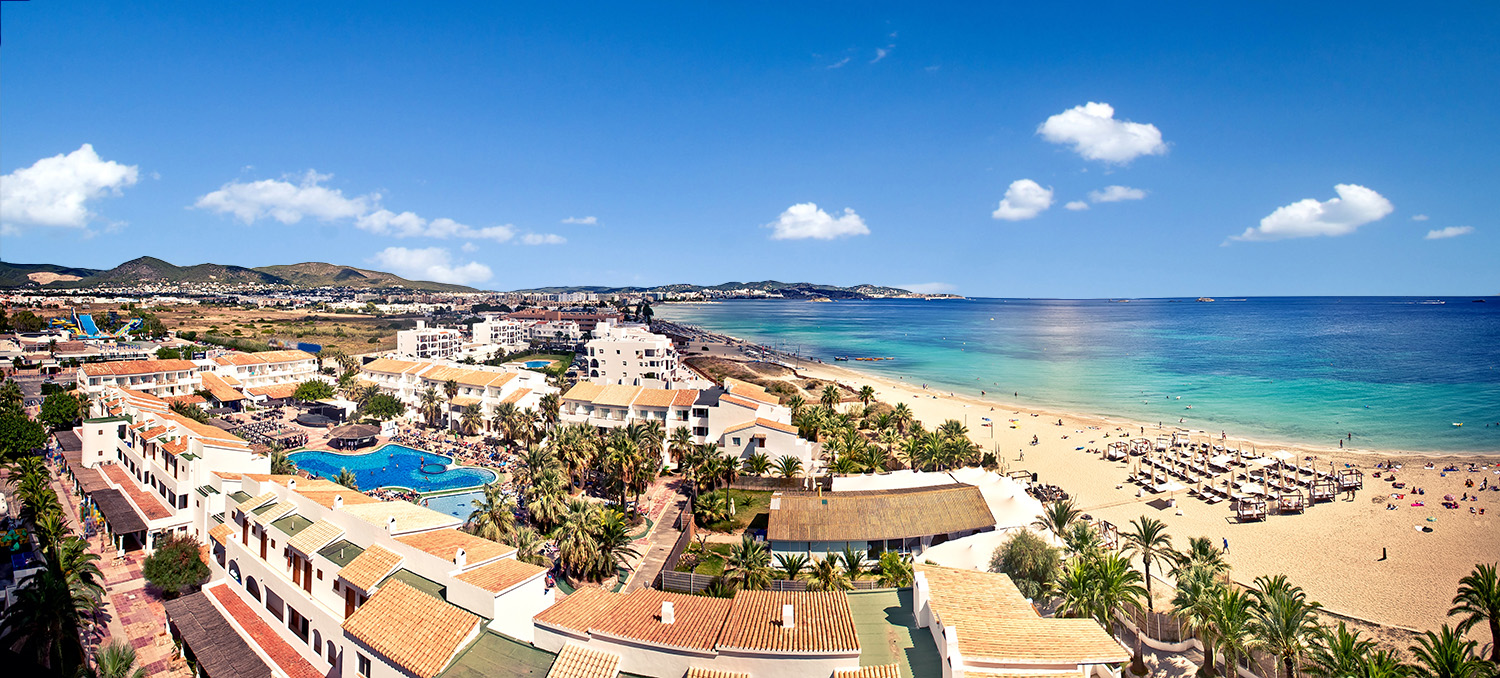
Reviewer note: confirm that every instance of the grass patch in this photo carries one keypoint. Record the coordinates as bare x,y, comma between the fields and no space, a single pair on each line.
711,562
752,510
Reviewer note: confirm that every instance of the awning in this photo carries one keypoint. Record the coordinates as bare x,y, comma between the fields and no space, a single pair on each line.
219,649
68,441
118,512
91,479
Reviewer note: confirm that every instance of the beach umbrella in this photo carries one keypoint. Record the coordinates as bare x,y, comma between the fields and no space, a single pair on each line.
1283,455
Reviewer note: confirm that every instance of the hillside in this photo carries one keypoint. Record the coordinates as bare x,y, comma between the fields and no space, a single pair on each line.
791,290
319,274
153,270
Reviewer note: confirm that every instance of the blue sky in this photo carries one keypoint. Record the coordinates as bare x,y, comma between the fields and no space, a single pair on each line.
453,142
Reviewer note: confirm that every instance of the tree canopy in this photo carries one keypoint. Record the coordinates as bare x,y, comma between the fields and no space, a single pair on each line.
175,566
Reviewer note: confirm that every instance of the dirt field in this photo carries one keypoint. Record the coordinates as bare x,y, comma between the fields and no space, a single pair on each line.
351,332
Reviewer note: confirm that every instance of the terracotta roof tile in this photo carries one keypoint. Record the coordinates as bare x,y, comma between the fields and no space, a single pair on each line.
736,400
206,431
273,514
685,397
193,399
761,421
580,610
995,622
617,396
409,517
821,622
264,357
220,389
882,671
516,395
583,390
445,544
577,661
221,533
698,619
655,397
263,636
256,502
315,536
230,379
390,366
137,367
368,568
501,574
464,401
700,672
755,392
274,391
146,502
414,630
325,497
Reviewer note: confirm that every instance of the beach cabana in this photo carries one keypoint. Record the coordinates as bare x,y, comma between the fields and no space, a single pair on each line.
1291,502
1250,508
1324,489
1117,450
353,436
1351,479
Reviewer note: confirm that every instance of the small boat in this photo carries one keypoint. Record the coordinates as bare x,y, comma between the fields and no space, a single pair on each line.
841,358
1458,423
1205,299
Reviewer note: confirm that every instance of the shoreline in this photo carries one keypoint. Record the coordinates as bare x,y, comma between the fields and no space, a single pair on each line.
845,374
1365,556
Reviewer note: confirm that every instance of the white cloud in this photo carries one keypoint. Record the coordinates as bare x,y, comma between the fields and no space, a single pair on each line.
1449,232
584,221
1023,200
1355,207
1095,134
55,191
1076,205
881,53
542,239
838,64
1420,217
805,220
285,201
1117,194
469,247
431,263
928,288
409,225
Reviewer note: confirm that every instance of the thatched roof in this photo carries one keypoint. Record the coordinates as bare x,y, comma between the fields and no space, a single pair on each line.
355,431
220,651
878,514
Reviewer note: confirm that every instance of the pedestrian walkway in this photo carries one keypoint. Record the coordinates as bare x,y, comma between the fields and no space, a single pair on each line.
130,612
660,541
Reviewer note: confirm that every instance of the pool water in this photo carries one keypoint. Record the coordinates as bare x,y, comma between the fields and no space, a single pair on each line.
457,505
394,466
537,364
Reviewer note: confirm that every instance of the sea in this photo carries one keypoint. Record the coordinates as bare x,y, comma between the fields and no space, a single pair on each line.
1397,373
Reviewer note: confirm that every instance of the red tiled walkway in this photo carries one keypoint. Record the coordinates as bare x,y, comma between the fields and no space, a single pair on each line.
146,501
263,635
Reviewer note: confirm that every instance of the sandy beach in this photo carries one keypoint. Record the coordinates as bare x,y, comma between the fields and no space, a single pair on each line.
1333,550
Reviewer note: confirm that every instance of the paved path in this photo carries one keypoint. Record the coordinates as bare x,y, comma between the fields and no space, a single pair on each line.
130,611
659,542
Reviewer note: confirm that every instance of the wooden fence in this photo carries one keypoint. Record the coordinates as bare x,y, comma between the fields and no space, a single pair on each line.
688,582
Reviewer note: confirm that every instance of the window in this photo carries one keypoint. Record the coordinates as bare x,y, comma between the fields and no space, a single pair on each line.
734,441
364,665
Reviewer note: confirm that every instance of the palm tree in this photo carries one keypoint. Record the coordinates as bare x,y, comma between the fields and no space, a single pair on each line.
45,614
1383,664
1118,585
1479,599
472,419
1447,654
902,416
1284,621
578,551
680,444
831,396
826,575
529,543
796,403
503,420
430,404
450,390
347,479
494,515
1201,554
895,570
787,466
854,562
613,539
551,408
791,565
756,464
1197,593
748,565
116,660
10,395
1148,538
1057,517
281,464
845,465
1234,622
866,394
1338,652
1083,540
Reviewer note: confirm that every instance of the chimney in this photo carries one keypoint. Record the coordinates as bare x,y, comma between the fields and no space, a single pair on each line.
390,524
291,484
460,557
667,615
788,617
421,324
338,501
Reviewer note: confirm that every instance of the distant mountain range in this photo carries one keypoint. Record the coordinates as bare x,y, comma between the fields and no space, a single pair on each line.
152,270
800,290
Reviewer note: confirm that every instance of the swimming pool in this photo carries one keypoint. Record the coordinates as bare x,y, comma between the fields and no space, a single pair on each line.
537,364
458,505
394,466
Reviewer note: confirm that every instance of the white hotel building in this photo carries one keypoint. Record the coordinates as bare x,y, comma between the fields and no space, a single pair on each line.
631,355
477,385
429,343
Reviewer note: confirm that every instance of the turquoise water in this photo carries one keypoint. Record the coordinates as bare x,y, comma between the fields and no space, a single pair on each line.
537,364
1395,372
394,466
458,505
